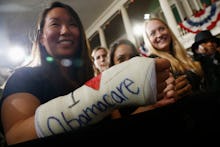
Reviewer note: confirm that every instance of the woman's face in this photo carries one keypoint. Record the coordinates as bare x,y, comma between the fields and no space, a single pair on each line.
158,35
101,60
60,33
122,53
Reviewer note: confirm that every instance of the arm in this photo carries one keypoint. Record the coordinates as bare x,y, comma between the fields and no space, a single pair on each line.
168,93
21,121
17,114
182,87
119,86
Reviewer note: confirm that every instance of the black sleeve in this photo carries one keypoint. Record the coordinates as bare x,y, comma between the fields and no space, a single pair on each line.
22,80
153,56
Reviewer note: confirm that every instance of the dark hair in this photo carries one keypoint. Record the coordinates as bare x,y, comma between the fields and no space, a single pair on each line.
118,43
81,58
202,37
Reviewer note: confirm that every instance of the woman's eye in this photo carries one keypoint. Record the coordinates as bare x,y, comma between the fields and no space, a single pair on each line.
152,34
161,28
54,24
73,23
121,59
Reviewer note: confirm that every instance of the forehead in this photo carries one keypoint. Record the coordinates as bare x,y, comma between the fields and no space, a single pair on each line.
154,24
100,51
58,12
123,48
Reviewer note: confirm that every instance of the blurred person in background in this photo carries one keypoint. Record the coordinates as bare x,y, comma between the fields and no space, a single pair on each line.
100,58
122,51
205,50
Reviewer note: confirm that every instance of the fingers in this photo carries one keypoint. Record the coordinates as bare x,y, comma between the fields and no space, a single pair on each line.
184,91
182,87
170,88
170,83
181,82
181,78
162,74
161,86
170,94
169,91
171,79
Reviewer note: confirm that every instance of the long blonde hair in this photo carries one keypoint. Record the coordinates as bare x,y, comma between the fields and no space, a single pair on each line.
180,60
96,70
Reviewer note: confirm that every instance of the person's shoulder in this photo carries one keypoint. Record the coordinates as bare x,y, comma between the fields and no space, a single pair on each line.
24,79
23,75
25,72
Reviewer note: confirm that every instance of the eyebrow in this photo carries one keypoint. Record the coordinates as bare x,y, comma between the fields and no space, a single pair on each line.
53,18
120,56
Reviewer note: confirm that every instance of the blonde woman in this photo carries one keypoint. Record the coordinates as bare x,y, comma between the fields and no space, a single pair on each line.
161,42
100,58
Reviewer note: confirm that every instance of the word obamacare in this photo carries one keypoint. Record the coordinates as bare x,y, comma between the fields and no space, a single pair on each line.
106,102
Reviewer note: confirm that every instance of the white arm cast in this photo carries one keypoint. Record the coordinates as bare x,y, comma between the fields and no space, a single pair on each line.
130,83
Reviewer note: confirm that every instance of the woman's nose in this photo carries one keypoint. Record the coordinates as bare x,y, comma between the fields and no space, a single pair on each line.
102,58
158,34
65,29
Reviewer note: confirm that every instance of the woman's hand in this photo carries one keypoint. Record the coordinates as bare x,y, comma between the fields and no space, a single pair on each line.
182,87
162,74
169,95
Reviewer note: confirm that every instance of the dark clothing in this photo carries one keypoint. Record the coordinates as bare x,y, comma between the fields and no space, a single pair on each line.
194,79
33,81
211,68
45,82
38,81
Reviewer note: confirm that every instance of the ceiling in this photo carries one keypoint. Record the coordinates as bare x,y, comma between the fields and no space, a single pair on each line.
23,11
18,19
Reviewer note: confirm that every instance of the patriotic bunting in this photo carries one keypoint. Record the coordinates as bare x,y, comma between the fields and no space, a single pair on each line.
205,19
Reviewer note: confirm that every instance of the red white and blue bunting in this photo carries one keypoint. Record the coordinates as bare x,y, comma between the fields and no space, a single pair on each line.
205,19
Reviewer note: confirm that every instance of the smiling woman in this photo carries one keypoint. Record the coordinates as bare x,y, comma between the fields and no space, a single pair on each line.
56,86
58,38
18,20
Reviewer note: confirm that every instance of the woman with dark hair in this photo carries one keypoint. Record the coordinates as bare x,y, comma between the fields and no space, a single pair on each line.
130,51
54,94
60,64
123,50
